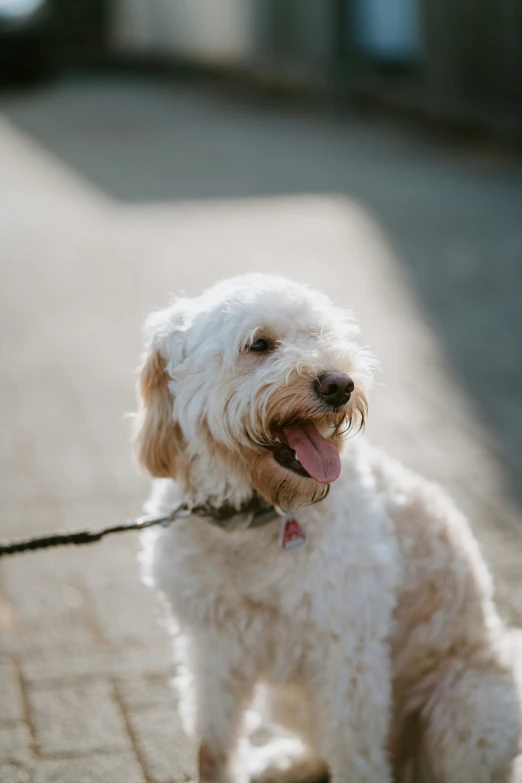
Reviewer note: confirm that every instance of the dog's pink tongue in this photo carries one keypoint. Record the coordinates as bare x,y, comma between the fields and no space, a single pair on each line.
318,456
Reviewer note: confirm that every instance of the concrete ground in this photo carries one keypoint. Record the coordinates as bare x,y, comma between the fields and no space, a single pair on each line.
115,193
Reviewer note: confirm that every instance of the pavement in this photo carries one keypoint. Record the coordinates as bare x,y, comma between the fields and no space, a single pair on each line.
114,193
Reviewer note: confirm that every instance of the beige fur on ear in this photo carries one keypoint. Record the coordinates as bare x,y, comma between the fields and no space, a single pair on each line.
158,439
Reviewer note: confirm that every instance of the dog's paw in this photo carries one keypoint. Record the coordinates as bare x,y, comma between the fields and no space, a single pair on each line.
213,767
284,760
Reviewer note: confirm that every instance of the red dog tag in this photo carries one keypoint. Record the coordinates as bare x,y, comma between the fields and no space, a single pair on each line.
292,535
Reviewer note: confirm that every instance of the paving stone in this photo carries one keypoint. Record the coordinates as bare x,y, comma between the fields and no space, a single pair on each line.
102,768
108,768
25,642
47,669
15,741
16,772
51,595
29,517
11,705
516,638
165,751
78,719
7,619
127,610
138,692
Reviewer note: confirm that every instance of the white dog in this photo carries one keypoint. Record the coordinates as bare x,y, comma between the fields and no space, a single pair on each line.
353,589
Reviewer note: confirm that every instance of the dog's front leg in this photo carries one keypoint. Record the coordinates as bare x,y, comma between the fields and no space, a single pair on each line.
352,695
223,689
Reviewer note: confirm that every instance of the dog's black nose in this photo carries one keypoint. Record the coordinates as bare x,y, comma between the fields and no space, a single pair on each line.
335,388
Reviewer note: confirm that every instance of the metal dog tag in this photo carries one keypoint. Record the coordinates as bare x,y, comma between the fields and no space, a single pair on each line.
292,535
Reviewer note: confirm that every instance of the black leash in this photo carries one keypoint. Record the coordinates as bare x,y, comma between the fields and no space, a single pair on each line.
258,518
80,537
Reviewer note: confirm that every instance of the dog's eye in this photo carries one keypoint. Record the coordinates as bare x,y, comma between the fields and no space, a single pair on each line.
260,345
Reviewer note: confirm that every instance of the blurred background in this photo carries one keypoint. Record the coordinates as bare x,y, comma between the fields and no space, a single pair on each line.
367,147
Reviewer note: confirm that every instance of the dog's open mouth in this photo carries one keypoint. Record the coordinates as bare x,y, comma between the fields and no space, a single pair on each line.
302,449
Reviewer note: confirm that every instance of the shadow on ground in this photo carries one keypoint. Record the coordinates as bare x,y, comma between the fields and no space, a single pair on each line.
455,221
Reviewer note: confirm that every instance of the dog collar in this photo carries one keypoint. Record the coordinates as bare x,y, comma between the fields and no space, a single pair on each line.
255,513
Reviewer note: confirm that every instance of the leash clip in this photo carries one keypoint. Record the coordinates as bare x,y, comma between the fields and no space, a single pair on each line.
179,513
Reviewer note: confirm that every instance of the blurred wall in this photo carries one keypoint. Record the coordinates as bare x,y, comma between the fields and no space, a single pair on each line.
463,59
204,30
284,35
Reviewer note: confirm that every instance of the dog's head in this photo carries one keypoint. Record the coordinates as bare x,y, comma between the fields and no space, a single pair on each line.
251,386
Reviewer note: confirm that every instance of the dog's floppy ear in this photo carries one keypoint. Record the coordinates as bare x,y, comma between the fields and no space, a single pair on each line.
158,439
157,435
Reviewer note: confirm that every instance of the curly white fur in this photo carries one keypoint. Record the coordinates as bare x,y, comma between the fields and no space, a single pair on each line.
378,643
